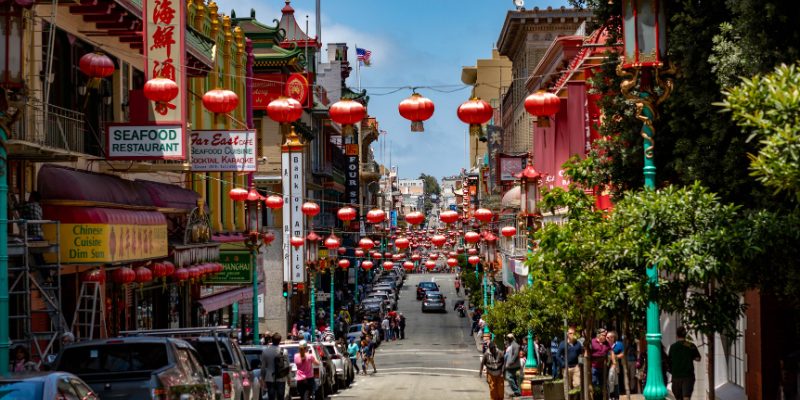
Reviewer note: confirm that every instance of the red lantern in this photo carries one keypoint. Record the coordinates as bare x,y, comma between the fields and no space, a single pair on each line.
96,65
346,214
253,195
415,257
284,110
434,256
296,242
181,274
161,90
416,109
376,216
367,265
95,275
448,217
310,209
344,263
347,112
238,194
542,105
408,265
430,265
366,243
415,218
170,267
194,272
475,112
452,262
388,265
484,215
472,251
508,231
159,270
398,257
358,253
438,240
332,242
123,276
377,255
474,260
341,251
490,237
274,202
143,275
220,101
267,238
402,243
472,237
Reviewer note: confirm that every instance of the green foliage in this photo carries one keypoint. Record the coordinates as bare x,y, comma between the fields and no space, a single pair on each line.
768,107
431,187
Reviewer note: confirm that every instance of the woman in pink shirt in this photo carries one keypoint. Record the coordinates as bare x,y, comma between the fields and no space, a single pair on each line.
305,371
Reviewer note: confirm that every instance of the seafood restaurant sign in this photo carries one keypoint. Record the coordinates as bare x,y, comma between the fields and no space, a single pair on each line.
224,151
153,142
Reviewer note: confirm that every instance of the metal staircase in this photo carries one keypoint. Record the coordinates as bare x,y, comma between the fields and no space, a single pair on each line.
35,316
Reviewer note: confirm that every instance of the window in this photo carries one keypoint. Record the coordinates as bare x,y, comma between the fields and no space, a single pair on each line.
113,358
84,392
209,352
65,391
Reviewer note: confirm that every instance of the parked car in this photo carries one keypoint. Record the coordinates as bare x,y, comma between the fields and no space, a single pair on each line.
373,309
320,375
138,368
219,354
386,289
434,301
387,300
45,386
354,332
344,369
330,369
422,287
253,356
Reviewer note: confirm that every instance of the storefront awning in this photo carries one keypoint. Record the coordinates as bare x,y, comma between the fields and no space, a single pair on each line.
224,299
65,184
170,197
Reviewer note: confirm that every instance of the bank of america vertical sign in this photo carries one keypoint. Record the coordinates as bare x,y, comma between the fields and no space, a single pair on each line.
293,190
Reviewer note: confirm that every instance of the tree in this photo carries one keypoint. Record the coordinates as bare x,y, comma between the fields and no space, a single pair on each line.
432,191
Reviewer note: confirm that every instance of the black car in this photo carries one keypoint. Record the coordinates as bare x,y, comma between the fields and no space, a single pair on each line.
423,287
434,301
138,368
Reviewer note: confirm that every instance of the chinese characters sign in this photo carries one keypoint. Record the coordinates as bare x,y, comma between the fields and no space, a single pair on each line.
237,269
164,25
223,151
293,190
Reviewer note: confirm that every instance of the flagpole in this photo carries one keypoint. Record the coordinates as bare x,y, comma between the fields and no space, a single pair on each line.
358,70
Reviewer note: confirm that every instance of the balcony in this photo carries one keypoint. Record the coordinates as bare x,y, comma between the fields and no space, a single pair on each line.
60,138
514,246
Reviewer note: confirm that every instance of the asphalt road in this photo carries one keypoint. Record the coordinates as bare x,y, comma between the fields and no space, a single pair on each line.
436,361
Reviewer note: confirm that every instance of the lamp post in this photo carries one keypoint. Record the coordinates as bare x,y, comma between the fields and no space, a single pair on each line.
332,243
312,257
643,62
530,179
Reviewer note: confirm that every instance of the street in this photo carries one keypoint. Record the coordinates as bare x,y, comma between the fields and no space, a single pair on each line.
437,360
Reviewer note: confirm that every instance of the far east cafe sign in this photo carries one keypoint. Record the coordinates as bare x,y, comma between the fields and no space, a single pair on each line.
163,135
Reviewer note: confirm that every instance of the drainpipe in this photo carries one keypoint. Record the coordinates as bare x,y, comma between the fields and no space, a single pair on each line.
5,344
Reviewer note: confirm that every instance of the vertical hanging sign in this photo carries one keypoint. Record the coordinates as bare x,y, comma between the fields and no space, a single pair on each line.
165,56
293,189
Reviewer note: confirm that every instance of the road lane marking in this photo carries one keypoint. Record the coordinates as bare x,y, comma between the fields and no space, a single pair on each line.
430,369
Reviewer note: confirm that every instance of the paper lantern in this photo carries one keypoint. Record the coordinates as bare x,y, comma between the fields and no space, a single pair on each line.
220,101
474,260
415,218
95,275
238,194
408,265
181,274
347,112
430,265
388,265
452,262
344,263
346,214
96,65
367,265
472,237
161,90
143,275
366,243
274,202
310,209
542,105
475,112
483,214
284,110
123,276
296,242
508,231
416,109
402,243
448,217
376,216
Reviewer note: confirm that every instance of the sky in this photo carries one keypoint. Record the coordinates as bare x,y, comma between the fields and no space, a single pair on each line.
414,43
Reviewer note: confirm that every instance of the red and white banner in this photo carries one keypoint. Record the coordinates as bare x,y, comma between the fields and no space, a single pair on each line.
214,151
165,56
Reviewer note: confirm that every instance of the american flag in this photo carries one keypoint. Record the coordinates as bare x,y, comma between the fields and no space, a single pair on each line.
363,55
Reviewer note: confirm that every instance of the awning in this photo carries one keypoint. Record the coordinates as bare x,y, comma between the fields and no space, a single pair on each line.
58,183
174,197
224,299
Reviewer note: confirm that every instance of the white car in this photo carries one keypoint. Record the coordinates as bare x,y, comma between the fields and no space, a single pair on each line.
253,356
344,369
293,348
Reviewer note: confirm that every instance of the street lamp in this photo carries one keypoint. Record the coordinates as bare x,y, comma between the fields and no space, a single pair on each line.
530,179
643,62
332,243
312,257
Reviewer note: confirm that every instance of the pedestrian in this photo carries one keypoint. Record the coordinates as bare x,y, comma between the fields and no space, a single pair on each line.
305,371
353,352
493,360
682,355
402,325
630,366
573,349
387,328
457,283
476,316
22,360
272,359
369,355
555,367
616,370
511,364
396,327
598,354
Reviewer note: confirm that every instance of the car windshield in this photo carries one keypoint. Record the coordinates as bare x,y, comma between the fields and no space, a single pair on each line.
209,355
109,358
330,349
22,390
428,285
354,328
252,355
433,296
291,351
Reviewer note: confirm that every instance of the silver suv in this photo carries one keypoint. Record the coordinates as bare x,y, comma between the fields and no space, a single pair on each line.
320,375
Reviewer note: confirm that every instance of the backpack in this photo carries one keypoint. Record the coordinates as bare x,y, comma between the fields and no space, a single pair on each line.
282,366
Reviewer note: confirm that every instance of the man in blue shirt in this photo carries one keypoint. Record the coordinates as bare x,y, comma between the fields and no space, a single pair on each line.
573,350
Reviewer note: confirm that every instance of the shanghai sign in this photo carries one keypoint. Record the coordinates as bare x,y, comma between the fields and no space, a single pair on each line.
236,269
223,151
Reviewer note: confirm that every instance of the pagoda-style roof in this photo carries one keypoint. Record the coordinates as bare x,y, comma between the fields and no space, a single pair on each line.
267,45
295,36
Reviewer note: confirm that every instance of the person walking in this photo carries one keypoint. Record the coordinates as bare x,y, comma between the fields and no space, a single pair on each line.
493,360
573,349
402,325
369,355
598,354
353,352
512,364
387,328
305,371
555,367
616,370
457,284
273,357
682,355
